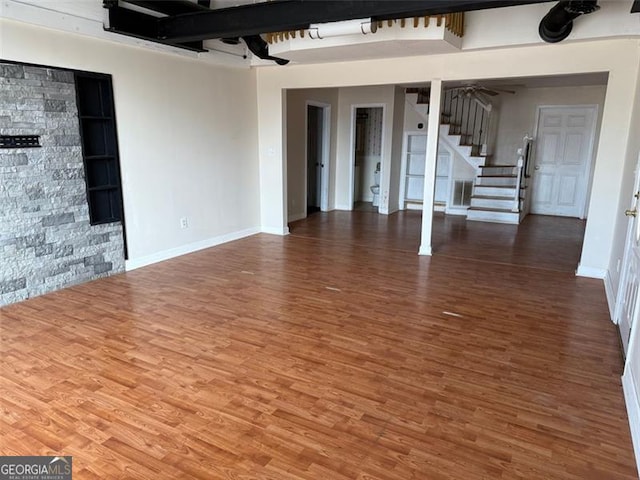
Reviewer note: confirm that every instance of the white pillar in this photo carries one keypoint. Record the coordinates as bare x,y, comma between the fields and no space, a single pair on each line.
433,131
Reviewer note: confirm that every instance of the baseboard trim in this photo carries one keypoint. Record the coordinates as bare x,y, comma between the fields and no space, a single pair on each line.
275,230
294,217
344,207
611,297
188,248
633,412
591,272
456,211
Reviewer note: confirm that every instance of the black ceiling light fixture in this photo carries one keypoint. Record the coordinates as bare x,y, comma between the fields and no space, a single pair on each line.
558,23
259,47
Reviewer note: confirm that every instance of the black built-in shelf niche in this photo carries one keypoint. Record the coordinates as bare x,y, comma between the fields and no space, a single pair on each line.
99,147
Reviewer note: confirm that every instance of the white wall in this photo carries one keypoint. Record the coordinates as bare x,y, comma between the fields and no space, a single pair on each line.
296,147
187,138
517,114
618,57
378,95
519,25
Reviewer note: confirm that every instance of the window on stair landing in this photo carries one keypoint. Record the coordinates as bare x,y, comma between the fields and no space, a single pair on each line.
99,147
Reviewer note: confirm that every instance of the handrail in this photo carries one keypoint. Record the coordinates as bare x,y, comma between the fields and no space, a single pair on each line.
467,119
523,162
453,22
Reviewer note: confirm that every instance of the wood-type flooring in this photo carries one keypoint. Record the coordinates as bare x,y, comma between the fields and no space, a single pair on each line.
335,353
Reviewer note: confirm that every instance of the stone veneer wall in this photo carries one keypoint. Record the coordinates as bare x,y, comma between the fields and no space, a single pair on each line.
46,240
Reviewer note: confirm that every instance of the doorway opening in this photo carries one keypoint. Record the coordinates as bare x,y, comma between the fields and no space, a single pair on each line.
367,156
317,157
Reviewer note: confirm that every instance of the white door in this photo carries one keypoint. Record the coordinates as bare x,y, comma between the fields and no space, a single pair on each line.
626,303
563,159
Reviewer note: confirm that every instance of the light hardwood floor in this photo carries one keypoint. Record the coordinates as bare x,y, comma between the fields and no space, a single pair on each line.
315,356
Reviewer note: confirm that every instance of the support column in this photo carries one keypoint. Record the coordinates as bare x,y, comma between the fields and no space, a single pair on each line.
433,131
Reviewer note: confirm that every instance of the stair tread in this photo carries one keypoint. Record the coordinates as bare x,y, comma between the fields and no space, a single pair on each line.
497,166
497,176
496,186
492,197
487,209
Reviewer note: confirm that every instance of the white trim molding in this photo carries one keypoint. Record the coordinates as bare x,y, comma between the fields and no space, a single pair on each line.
633,412
425,250
275,230
591,272
343,206
611,296
188,248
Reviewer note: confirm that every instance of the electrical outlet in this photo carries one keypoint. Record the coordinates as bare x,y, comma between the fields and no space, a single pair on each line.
184,223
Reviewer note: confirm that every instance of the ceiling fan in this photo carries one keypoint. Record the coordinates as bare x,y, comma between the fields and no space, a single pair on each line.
474,89
478,93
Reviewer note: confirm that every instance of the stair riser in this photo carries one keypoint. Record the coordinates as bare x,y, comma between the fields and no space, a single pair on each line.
499,217
494,192
507,203
490,170
496,181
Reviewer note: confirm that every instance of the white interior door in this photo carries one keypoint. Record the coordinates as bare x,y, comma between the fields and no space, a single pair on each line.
627,301
563,159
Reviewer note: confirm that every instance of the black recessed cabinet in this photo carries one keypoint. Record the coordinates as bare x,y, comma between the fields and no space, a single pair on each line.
99,147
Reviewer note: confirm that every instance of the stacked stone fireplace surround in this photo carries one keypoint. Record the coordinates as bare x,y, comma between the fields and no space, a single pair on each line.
46,239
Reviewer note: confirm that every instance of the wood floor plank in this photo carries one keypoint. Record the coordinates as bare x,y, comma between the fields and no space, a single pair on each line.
335,352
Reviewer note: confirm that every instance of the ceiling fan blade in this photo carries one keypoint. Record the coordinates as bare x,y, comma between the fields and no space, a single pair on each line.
502,90
486,91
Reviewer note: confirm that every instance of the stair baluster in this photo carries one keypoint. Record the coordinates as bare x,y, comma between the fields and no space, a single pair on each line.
516,200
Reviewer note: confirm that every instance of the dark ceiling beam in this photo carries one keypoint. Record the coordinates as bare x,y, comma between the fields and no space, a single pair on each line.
170,7
284,15
143,26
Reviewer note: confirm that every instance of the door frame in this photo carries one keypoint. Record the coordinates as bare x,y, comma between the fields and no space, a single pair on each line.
591,157
352,153
633,225
326,153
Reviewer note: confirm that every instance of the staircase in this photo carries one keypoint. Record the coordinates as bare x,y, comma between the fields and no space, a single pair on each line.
499,190
496,195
